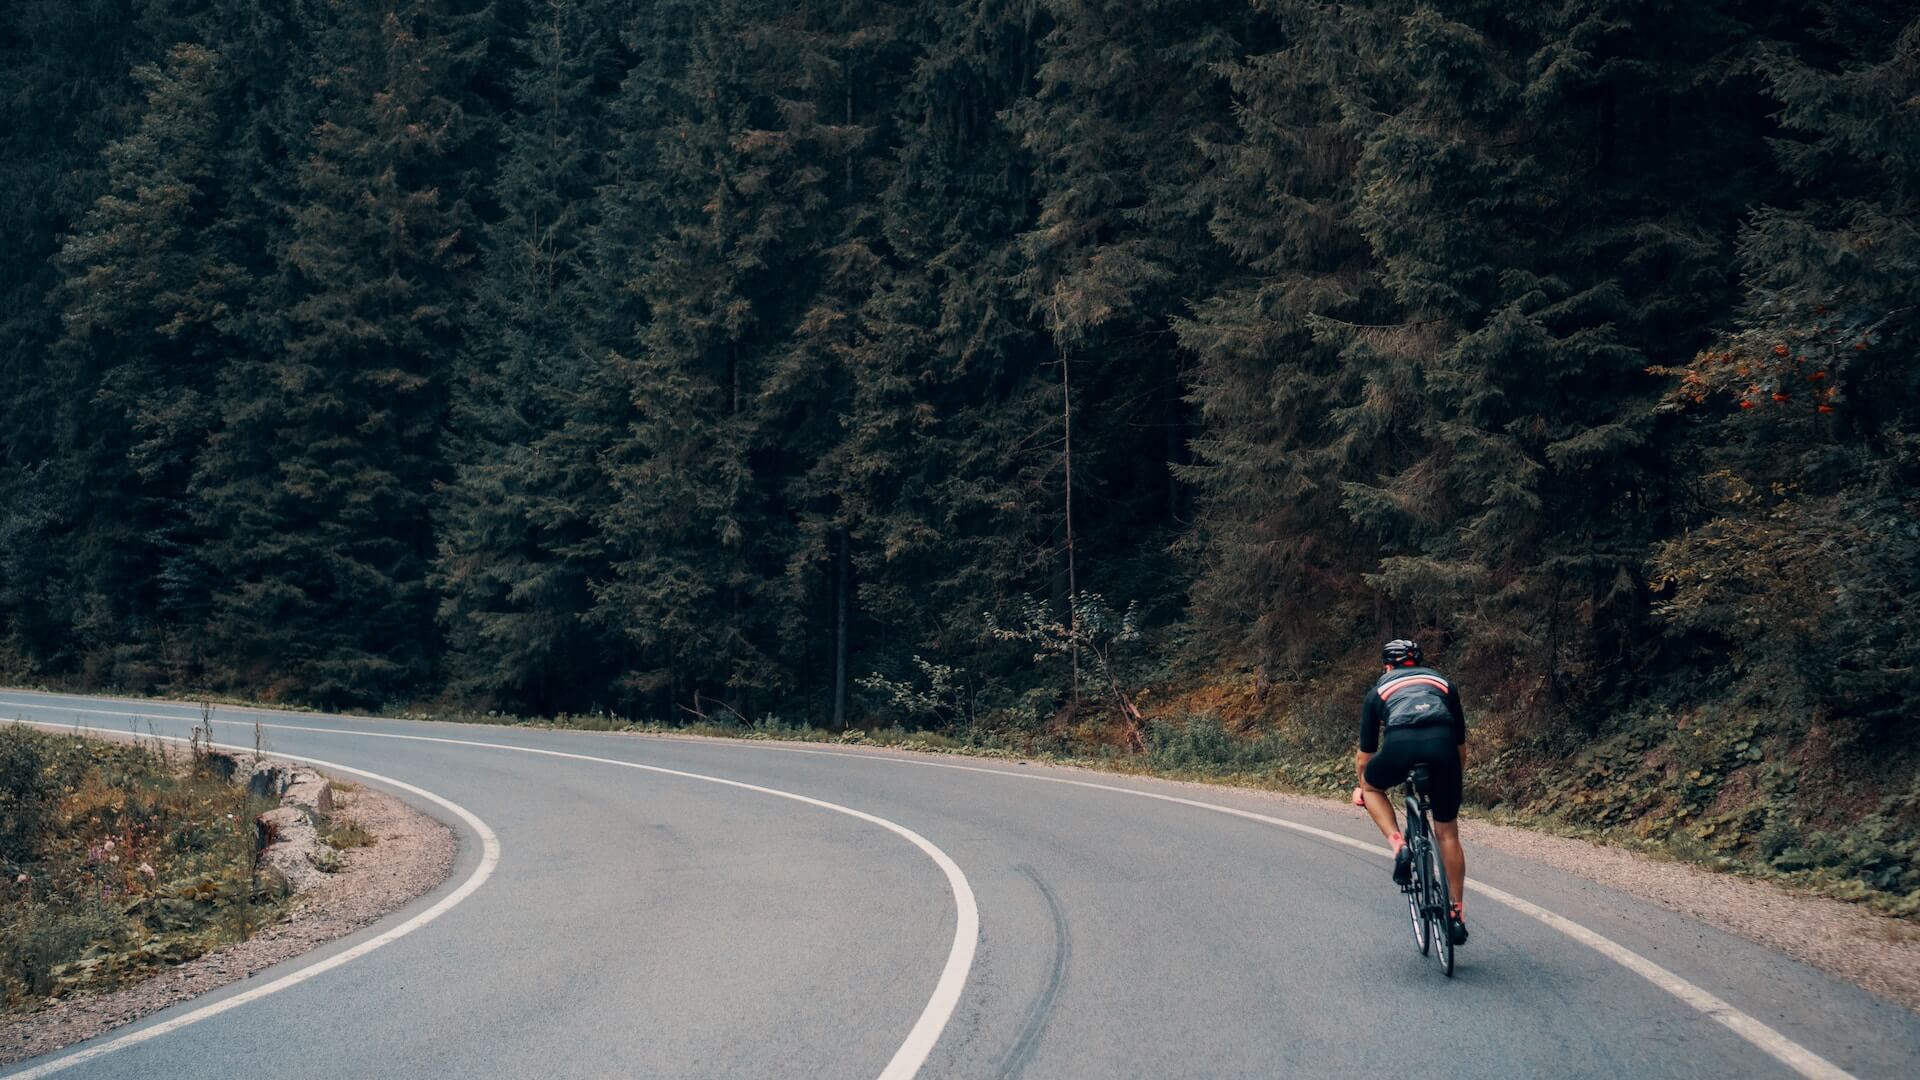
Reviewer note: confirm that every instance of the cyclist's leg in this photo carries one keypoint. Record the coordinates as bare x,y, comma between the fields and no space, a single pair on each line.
1446,836
1380,809
1385,770
1443,768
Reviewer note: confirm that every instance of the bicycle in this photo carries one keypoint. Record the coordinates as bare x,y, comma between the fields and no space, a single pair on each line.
1428,898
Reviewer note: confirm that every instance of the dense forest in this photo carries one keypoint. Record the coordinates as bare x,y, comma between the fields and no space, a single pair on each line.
985,362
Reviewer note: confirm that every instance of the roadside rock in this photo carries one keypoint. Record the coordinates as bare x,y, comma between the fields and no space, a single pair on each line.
293,847
263,779
310,791
289,835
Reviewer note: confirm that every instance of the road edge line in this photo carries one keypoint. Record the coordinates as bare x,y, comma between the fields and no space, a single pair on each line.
1754,1032
933,1019
489,859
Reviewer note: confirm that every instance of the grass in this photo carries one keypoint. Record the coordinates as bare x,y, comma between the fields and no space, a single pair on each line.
117,859
341,834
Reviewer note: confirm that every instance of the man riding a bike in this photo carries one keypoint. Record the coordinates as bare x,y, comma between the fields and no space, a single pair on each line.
1417,712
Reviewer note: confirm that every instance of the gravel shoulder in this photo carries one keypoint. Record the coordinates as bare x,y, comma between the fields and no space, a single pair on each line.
1878,953
411,854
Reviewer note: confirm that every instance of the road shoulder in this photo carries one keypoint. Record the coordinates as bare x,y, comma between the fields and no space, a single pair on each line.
412,854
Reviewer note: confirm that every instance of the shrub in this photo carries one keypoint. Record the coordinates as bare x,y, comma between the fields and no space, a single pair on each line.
1202,743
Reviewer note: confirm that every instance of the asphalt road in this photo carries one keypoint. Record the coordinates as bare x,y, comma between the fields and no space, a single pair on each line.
675,907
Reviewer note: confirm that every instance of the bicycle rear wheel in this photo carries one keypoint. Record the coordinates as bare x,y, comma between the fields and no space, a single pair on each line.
1416,893
1440,905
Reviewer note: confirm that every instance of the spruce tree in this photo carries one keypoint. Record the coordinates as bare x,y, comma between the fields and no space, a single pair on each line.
1527,181
935,479
1799,557
1124,94
1277,564
517,547
64,78
150,295
833,81
315,492
694,544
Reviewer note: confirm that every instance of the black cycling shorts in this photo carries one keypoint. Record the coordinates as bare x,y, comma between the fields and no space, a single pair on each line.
1430,746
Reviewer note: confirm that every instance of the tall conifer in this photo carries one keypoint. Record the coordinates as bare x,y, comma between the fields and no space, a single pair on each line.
517,547
151,294
694,545
316,490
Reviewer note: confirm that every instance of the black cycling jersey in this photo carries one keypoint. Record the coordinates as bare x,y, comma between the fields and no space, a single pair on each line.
1401,683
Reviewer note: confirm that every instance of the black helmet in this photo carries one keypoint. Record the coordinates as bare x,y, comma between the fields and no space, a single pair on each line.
1400,651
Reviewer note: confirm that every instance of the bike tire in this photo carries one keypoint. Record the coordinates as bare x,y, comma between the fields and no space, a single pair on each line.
1416,893
1437,929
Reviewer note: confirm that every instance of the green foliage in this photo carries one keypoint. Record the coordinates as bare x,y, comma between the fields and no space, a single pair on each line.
1091,628
315,491
1202,744
1802,549
517,549
30,787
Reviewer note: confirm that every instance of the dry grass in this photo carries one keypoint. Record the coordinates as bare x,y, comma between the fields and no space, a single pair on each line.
115,860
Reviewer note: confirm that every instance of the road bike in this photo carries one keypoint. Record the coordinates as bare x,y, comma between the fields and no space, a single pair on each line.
1428,898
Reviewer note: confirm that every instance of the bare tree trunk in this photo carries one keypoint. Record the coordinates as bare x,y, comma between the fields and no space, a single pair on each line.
1073,588
736,701
841,587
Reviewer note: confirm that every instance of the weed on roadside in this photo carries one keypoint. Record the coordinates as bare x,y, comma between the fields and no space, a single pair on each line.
115,860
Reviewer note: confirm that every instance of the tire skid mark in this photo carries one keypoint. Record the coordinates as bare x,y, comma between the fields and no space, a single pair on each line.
1028,1041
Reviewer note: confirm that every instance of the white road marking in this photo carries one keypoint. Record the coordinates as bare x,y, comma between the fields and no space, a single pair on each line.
489,858
906,1061
1766,1039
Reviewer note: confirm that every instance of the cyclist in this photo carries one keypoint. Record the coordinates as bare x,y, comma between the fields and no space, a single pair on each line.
1417,712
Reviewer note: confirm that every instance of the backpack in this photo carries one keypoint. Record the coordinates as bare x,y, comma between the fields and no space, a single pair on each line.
1414,697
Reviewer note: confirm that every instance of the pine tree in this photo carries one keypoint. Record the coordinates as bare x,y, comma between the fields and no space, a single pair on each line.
1527,183
315,492
1278,565
517,546
149,311
1123,96
1803,443
833,80
935,482
695,545
64,77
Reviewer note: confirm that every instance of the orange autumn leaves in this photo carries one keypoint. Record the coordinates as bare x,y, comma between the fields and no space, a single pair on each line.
1793,372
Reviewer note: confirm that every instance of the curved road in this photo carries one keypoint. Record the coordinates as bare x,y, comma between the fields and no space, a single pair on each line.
674,907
